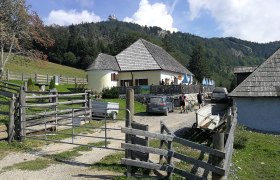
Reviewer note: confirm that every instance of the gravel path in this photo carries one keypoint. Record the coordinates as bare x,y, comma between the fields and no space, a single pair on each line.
79,167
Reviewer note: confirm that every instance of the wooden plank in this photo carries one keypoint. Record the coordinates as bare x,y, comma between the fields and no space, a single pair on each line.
199,147
57,103
139,140
176,155
12,84
147,134
40,96
139,126
231,132
10,88
76,94
165,128
160,167
6,93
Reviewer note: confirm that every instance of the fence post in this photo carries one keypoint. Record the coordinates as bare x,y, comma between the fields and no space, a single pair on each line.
8,75
161,142
89,105
218,143
22,122
12,119
47,78
36,77
229,122
169,158
128,120
75,80
22,76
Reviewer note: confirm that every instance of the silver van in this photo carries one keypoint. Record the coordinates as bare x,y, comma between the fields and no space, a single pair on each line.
219,94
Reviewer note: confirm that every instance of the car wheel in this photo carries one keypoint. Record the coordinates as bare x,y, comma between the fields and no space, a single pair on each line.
194,125
166,112
114,115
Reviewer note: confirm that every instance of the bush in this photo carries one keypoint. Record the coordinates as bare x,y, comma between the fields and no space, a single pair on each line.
52,84
240,138
112,93
80,87
30,84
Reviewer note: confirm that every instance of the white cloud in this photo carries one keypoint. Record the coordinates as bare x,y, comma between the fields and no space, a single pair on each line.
65,18
253,20
152,15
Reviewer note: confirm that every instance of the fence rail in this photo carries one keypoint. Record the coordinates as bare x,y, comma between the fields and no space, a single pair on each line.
166,89
220,154
43,78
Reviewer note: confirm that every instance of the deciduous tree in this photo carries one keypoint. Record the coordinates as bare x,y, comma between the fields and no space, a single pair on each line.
20,28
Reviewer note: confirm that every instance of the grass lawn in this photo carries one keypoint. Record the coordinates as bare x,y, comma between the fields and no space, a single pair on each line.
256,155
19,64
138,107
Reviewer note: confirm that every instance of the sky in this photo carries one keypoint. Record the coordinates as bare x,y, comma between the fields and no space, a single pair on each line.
252,20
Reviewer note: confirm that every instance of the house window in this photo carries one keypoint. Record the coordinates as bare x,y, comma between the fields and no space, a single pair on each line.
141,82
126,82
114,77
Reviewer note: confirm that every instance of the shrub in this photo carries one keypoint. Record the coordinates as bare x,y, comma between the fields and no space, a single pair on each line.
52,83
80,87
30,84
112,93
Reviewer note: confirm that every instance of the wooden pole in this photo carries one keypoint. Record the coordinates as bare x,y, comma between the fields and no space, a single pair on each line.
36,77
47,78
22,115
218,143
169,158
8,75
89,106
12,119
128,119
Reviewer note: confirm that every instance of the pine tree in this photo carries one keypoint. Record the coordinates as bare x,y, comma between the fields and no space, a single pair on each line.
197,65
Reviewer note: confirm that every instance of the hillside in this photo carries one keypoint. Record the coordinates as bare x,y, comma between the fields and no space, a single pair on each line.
20,65
78,45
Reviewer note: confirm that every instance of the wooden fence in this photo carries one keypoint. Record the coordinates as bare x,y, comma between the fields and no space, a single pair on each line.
43,78
9,93
166,89
49,110
220,154
28,112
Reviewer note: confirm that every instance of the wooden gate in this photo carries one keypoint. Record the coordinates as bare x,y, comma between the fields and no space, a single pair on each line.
220,154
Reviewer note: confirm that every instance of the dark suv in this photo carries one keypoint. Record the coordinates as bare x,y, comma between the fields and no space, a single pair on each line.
160,104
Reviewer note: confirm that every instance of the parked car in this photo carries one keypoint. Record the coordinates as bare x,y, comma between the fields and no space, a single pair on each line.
160,104
219,94
105,109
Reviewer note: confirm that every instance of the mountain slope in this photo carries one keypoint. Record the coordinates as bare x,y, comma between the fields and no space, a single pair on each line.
78,45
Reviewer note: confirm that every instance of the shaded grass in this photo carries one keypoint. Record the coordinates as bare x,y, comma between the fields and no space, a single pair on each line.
111,163
138,107
257,157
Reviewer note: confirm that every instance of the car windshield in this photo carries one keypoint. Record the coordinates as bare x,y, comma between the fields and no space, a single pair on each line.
219,90
156,100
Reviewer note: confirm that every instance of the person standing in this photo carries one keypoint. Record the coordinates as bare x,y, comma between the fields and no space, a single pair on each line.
199,99
182,103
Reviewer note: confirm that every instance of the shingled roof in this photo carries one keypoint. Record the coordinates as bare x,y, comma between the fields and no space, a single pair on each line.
104,62
143,55
263,82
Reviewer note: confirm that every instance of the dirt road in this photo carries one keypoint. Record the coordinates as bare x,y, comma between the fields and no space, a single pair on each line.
79,167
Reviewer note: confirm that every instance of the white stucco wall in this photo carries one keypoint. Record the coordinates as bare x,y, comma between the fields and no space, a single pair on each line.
154,77
170,76
99,79
259,113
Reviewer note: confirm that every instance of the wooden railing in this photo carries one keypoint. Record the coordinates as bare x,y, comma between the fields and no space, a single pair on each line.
166,89
220,153
43,78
